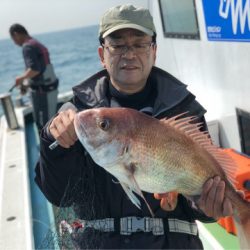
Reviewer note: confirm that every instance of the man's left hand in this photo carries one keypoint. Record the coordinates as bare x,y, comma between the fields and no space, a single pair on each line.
213,201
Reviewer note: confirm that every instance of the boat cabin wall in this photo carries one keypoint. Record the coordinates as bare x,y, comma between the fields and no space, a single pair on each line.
217,72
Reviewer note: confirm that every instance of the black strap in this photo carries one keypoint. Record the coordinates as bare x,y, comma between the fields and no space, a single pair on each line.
45,88
117,225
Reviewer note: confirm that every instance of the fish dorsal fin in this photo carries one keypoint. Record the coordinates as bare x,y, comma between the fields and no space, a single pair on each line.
187,126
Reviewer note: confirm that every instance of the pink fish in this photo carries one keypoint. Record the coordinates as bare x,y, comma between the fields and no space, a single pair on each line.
159,156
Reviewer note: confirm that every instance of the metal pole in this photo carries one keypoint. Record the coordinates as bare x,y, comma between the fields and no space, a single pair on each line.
9,111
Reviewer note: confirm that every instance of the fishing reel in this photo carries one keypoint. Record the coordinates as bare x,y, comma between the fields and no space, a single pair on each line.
24,86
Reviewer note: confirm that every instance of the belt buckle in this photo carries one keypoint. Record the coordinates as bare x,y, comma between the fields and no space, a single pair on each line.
132,224
138,224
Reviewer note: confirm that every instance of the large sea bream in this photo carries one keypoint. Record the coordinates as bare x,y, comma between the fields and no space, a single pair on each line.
158,156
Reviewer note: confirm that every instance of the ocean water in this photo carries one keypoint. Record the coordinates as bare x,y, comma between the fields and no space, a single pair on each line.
72,52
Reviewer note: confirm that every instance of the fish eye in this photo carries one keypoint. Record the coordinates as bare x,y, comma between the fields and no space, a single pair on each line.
104,124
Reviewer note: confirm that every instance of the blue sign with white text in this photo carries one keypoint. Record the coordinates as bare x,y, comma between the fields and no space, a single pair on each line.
227,20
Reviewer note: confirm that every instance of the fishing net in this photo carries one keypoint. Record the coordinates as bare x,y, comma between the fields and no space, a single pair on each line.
68,231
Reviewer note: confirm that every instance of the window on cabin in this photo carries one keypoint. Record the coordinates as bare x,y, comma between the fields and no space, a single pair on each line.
243,119
179,19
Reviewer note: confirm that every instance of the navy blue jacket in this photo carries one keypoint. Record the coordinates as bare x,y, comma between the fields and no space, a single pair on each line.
70,178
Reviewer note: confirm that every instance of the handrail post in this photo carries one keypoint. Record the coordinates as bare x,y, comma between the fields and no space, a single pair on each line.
9,111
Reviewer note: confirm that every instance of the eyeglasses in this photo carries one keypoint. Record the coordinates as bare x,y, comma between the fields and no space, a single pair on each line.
140,48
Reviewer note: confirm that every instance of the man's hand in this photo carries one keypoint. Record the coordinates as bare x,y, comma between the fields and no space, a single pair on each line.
29,73
213,201
19,80
168,200
62,128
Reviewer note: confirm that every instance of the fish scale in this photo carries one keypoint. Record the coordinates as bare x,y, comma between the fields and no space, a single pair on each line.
152,162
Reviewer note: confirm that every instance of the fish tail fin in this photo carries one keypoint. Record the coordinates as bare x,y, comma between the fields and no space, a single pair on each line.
242,222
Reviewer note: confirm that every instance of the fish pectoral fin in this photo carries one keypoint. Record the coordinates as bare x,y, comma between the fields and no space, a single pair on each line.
131,195
131,168
139,192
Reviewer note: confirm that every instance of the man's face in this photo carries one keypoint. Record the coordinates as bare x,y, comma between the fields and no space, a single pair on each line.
17,38
128,70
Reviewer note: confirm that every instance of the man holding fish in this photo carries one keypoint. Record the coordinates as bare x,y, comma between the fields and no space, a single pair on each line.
70,175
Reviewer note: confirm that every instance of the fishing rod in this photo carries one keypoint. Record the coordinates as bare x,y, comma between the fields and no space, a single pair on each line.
10,90
22,86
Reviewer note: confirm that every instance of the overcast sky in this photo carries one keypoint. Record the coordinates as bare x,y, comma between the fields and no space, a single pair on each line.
40,16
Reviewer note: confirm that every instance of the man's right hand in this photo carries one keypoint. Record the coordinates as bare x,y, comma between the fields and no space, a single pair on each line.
19,80
62,128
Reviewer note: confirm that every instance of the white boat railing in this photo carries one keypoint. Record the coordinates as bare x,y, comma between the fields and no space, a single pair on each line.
208,240
15,205
15,200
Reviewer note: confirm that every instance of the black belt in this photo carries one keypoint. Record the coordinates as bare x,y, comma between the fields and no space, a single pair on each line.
45,88
129,225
